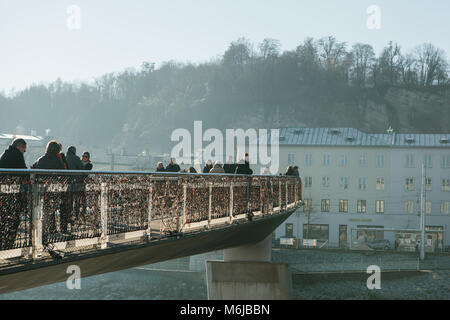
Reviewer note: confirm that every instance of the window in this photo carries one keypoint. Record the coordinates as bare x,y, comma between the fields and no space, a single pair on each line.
428,207
409,206
325,205
427,161
289,230
291,159
445,207
343,205
361,206
380,161
343,160
380,183
445,185
363,160
343,183
428,184
308,160
379,206
362,183
319,232
369,235
308,182
445,161
325,182
409,184
409,161
308,205
326,160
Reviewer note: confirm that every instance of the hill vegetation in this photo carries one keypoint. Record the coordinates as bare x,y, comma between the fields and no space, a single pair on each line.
321,83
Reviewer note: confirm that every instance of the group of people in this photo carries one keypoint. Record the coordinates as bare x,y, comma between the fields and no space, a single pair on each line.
13,157
53,159
242,167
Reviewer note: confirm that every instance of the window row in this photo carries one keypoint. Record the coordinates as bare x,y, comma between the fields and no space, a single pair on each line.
409,207
410,184
343,160
344,183
427,161
361,206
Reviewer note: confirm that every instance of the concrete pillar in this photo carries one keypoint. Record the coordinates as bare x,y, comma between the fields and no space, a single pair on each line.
247,273
261,251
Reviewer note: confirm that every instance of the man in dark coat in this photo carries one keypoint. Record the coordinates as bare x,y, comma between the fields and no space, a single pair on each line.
243,166
50,159
229,167
10,214
13,158
73,161
173,166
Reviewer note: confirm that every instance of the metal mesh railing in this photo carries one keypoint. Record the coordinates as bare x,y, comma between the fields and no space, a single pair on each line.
64,210
15,211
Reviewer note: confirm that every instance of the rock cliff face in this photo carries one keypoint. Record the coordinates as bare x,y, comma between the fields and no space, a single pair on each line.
405,110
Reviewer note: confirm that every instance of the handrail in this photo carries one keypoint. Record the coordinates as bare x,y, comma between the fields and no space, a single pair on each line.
41,209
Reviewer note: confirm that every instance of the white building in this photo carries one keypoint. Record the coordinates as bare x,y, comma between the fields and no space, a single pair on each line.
352,179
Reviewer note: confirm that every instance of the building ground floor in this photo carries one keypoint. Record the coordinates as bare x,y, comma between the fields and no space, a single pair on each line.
337,230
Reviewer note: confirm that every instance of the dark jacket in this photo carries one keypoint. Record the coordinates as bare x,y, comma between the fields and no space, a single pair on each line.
87,165
48,161
229,167
12,158
73,161
243,168
160,169
207,168
172,167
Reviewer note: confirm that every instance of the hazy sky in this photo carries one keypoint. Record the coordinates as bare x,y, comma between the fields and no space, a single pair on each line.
36,45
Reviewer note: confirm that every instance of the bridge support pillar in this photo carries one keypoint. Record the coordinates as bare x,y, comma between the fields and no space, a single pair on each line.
247,273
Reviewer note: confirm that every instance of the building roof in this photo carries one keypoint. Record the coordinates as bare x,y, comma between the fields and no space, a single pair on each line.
355,137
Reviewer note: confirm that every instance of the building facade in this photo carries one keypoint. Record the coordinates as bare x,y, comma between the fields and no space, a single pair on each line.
355,181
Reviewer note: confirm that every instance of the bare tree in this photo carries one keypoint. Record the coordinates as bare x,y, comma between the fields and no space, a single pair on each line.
389,64
269,49
431,64
332,53
363,58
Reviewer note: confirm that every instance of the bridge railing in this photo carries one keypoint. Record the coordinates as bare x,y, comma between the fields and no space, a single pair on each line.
67,210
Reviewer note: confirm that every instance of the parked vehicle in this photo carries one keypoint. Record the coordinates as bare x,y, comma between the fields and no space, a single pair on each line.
379,244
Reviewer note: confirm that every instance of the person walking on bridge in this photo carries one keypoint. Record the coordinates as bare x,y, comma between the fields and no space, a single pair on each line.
73,161
173,166
50,159
10,214
13,158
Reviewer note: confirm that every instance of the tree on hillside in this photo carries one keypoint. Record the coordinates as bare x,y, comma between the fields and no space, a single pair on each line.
363,57
431,64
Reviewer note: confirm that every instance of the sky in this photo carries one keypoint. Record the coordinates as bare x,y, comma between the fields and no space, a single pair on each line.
46,39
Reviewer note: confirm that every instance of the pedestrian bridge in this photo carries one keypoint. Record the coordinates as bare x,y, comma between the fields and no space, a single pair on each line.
109,221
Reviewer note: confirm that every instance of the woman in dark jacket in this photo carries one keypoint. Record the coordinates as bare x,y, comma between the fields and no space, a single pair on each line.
160,167
86,161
